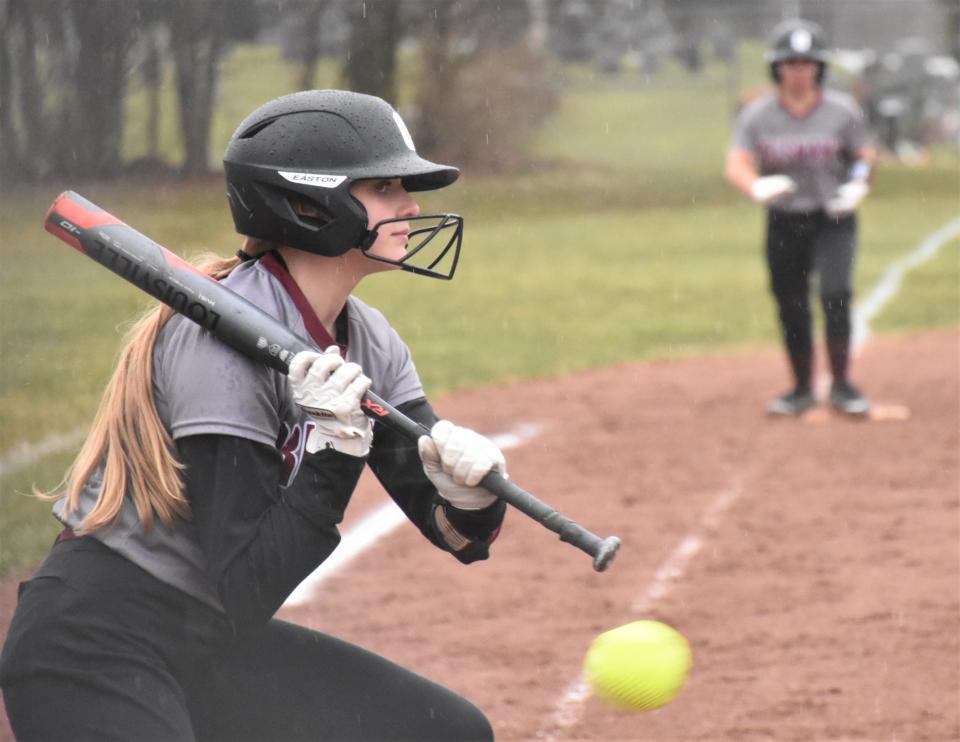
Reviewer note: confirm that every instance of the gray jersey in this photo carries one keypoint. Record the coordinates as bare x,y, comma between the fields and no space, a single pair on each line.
202,386
815,150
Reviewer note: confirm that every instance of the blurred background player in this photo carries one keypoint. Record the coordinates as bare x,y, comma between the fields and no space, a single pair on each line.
210,485
804,152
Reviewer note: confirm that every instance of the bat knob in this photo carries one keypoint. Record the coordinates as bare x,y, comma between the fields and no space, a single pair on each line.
606,551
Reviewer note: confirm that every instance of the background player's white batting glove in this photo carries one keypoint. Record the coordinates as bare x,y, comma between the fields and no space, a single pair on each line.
329,391
769,188
848,197
455,459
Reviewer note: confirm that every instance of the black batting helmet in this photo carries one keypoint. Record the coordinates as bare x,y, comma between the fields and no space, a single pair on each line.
797,39
313,145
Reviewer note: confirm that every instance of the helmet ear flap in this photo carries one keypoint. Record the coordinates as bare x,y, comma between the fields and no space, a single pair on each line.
237,205
309,212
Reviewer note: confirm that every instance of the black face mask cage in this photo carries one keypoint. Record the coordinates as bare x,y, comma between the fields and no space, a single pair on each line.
441,260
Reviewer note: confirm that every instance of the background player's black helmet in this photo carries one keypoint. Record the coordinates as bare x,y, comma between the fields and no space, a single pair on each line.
312,146
797,39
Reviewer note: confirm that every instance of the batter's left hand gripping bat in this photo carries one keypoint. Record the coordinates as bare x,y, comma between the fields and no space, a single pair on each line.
245,327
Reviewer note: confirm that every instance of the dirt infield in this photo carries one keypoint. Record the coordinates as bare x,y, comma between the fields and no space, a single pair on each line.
812,565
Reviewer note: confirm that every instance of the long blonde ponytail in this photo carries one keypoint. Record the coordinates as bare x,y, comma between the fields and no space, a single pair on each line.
127,437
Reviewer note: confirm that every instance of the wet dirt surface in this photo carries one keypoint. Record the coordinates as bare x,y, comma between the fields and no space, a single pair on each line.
812,564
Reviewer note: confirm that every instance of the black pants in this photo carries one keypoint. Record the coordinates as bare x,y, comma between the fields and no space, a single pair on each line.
798,247
100,650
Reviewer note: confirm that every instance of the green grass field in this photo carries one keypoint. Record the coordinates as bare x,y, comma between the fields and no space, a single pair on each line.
627,245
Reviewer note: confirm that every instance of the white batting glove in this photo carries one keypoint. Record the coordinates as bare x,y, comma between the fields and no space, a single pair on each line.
455,459
848,197
329,391
770,188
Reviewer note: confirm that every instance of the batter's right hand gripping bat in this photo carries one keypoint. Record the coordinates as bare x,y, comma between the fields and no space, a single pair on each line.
245,327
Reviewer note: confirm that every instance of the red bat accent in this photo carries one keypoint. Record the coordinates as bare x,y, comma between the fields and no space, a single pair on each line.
83,218
376,409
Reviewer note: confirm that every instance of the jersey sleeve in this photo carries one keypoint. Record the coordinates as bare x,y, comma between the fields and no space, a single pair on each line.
744,135
856,134
405,384
382,354
203,387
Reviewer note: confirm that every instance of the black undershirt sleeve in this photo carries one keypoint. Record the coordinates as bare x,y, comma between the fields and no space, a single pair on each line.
261,541
394,459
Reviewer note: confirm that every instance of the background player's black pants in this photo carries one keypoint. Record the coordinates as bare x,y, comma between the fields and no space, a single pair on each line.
799,246
100,650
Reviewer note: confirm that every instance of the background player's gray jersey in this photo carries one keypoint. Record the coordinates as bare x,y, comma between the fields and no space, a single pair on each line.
202,386
815,150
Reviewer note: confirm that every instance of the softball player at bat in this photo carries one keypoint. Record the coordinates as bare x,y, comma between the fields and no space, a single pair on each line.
210,485
805,153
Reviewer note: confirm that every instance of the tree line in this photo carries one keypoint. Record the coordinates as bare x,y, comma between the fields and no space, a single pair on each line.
66,68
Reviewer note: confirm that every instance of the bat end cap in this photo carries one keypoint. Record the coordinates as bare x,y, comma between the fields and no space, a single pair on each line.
605,553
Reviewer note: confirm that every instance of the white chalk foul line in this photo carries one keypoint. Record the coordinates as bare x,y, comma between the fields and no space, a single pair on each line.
889,284
569,708
25,454
382,521
884,290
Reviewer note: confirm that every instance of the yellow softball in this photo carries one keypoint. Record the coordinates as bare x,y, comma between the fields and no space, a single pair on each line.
639,666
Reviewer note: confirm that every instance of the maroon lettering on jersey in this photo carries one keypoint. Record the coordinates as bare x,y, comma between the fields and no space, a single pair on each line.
291,442
779,152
